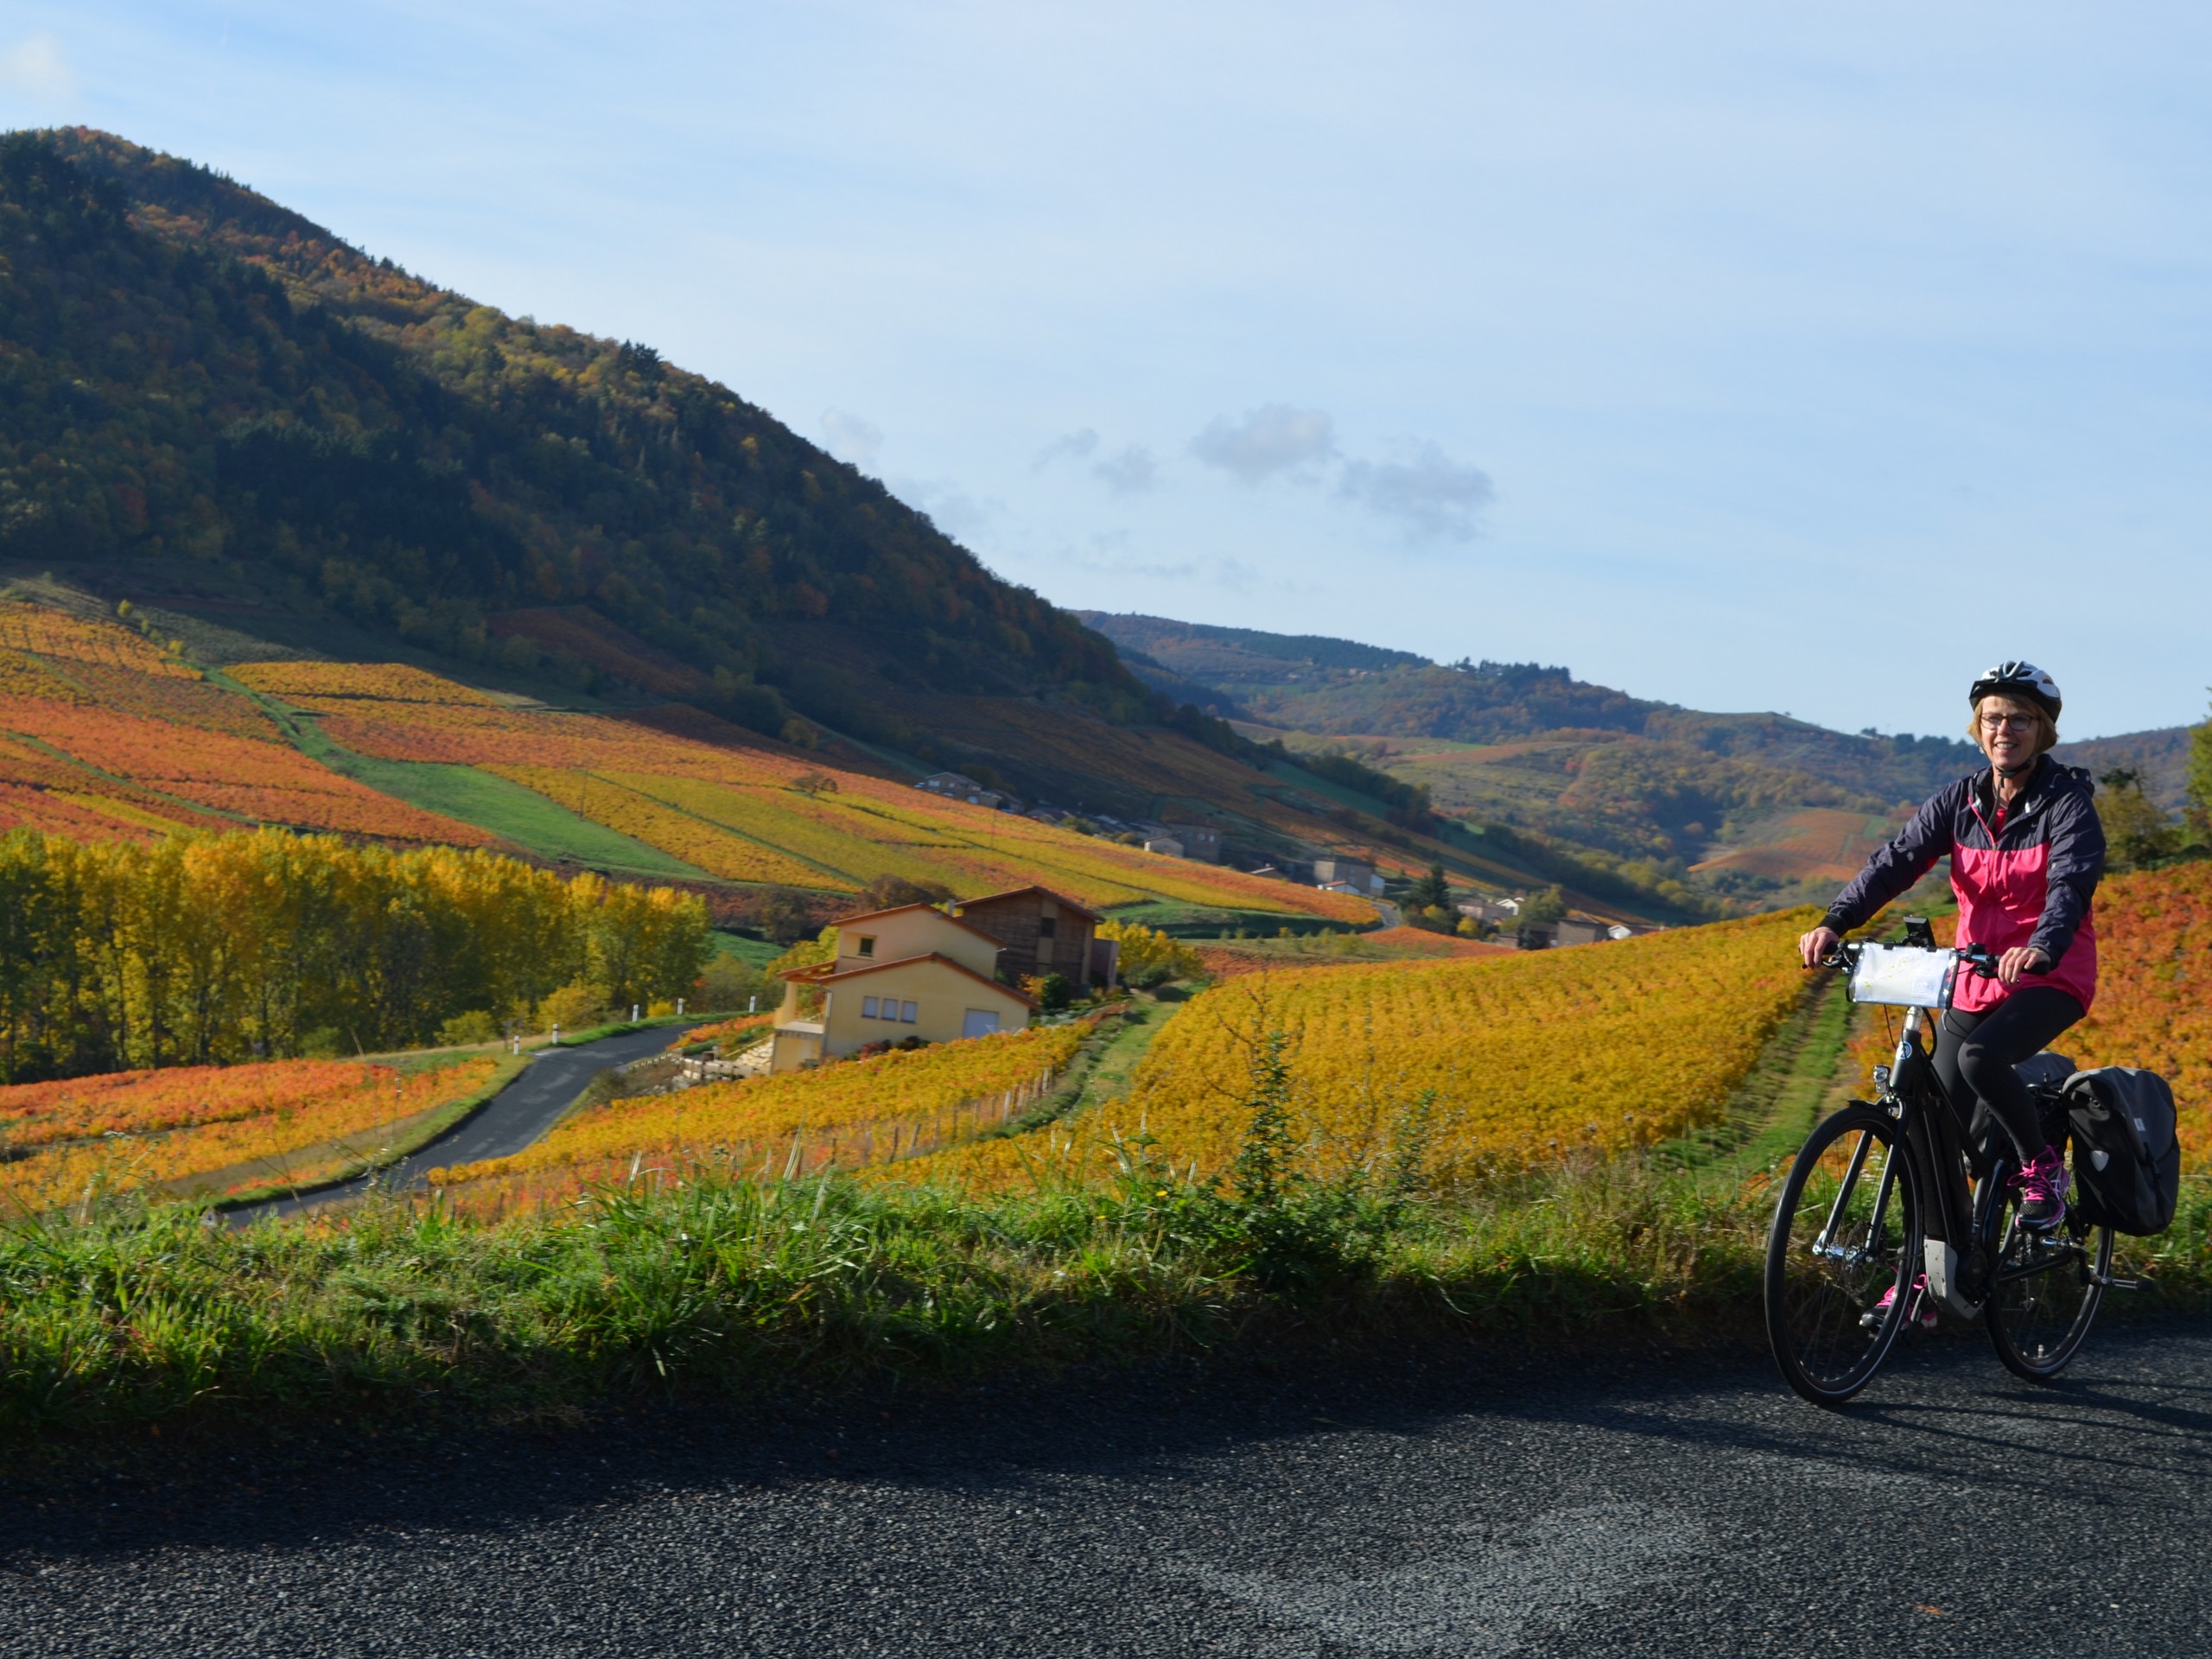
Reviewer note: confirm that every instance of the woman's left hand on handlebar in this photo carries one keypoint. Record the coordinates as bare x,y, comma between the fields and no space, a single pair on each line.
2020,959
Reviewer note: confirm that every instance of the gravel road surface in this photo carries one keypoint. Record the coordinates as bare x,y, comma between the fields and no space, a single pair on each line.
1430,1507
510,1120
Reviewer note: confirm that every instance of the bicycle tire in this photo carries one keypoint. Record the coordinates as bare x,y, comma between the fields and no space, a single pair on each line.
1837,1242
2045,1294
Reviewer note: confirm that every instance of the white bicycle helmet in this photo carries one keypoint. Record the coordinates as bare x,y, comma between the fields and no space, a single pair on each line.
2017,679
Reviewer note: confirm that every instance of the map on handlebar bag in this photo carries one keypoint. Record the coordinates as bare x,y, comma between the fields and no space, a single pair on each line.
1900,975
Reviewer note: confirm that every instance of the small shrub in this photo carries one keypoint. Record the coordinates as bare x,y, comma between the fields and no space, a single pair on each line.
573,1007
1051,991
466,1030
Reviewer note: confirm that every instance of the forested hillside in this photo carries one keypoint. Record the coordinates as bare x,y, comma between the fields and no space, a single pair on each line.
209,397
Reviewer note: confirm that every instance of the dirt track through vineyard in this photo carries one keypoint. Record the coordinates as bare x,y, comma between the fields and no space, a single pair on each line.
1448,1506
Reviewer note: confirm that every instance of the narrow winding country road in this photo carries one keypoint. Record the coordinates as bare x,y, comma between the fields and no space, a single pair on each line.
509,1121
1447,1505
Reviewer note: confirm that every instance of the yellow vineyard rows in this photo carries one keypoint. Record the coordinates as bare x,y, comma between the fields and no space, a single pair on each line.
1527,1058
854,1112
614,799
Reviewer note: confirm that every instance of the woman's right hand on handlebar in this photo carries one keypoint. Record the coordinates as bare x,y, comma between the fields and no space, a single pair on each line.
1818,945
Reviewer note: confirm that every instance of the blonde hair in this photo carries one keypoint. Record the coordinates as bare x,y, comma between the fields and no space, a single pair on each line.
2046,727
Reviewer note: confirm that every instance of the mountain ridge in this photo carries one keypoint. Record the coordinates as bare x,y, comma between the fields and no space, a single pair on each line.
1757,807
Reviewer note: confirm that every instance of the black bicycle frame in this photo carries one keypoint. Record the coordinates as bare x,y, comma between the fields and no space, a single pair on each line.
1957,1222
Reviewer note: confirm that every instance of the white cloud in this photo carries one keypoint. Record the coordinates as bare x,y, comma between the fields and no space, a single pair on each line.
850,438
35,65
1128,472
948,507
1437,498
1273,439
1069,446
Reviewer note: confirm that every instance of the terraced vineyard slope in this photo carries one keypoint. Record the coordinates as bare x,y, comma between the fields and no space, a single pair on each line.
106,733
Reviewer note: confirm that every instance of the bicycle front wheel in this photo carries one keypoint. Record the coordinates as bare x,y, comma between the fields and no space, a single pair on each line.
1843,1257
2046,1292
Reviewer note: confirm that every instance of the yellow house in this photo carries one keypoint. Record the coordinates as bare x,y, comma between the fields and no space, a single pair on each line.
909,971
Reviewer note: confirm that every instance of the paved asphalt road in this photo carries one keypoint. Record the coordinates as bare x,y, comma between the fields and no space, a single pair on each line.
1681,1507
513,1118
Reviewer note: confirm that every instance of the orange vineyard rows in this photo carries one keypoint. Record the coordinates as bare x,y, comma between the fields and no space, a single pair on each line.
262,782
730,1035
248,1125
44,632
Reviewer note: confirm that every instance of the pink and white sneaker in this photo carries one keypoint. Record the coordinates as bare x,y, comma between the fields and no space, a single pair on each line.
1919,1309
2043,1186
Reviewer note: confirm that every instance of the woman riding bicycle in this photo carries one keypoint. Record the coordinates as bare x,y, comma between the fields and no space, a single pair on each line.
2026,849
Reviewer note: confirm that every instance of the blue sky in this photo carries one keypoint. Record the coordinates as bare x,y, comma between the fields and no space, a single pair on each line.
1748,356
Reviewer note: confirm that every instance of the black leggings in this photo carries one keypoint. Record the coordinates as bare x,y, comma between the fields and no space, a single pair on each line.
1976,1054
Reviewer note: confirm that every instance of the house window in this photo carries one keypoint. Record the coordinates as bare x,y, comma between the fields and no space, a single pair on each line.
866,945
867,1008
906,1012
1045,927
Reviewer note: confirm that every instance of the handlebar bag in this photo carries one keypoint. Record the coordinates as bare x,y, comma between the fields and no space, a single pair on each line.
2126,1160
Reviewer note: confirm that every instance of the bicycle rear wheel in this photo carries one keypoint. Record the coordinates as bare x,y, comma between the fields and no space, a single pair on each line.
1847,1229
2045,1294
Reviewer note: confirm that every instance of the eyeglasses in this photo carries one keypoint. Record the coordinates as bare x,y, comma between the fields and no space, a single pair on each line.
1999,723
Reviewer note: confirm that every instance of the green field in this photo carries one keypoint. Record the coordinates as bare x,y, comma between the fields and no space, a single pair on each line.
754,953
521,816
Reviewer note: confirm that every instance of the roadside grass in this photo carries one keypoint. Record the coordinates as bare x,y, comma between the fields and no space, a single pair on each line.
713,1284
707,1281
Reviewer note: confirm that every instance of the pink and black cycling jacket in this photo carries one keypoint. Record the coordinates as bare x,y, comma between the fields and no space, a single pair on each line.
2022,876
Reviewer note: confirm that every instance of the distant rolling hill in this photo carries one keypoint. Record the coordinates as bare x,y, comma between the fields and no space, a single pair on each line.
1753,808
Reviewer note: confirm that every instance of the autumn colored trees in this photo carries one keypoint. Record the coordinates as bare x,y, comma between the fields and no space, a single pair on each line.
200,950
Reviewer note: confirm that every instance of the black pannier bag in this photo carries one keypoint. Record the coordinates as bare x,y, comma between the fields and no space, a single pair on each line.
2126,1162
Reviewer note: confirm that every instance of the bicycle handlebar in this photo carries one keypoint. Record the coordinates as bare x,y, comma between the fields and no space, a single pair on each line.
1975,956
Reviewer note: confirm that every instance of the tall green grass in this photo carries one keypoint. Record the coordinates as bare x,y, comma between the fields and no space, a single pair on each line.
704,1280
